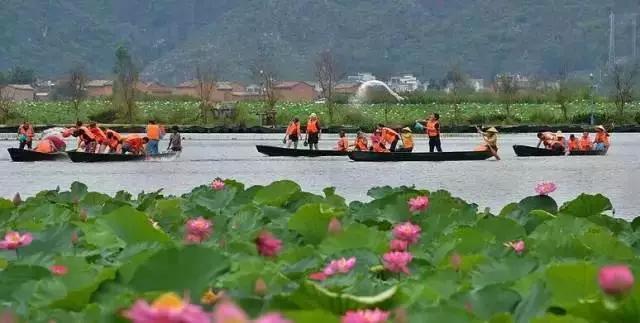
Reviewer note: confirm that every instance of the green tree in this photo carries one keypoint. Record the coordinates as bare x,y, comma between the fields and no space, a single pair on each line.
457,82
21,75
562,96
507,89
124,87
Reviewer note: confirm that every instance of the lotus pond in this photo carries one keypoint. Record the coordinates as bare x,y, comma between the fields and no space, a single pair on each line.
229,253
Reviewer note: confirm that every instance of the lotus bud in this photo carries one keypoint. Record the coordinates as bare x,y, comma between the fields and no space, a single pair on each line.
456,261
260,287
74,237
615,280
335,226
17,200
83,215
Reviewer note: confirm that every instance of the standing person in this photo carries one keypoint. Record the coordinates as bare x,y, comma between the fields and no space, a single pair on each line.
292,136
601,142
343,142
585,142
313,132
361,143
433,132
25,135
407,140
389,136
175,140
153,134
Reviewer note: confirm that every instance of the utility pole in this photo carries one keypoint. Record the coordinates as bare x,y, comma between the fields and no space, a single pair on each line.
612,39
634,36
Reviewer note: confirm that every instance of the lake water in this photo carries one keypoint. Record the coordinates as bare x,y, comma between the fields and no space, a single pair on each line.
489,183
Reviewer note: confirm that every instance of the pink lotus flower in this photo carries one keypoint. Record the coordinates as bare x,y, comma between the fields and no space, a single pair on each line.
198,230
334,226
260,287
456,261
517,246
17,200
545,188
319,276
74,237
365,316
271,318
615,280
59,270
397,261
418,204
398,245
340,266
168,308
14,240
407,232
217,185
268,245
228,312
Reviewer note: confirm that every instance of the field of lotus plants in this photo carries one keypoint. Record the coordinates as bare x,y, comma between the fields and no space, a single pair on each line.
226,253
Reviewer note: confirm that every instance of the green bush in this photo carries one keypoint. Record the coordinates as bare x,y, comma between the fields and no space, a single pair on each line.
355,116
105,116
542,116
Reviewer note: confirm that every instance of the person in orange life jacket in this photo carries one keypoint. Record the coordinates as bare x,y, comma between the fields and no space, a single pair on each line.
113,142
377,144
360,144
601,142
134,144
585,142
292,136
559,143
573,144
99,136
313,132
389,136
25,135
432,130
86,139
547,138
50,144
343,142
407,140
154,133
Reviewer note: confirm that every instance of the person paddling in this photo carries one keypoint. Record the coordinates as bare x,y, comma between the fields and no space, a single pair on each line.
490,137
134,144
175,140
407,140
313,132
25,135
343,142
292,136
601,142
389,137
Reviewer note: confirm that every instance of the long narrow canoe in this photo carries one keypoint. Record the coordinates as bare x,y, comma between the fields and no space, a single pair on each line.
82,157
528,151
24,155
301,152
444,156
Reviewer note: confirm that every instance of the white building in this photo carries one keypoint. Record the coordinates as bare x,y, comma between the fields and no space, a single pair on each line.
476,84
404,83
361,78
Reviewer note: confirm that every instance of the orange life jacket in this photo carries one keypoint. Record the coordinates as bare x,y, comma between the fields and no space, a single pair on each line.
432,130
293,129
86,135
135,143
26,132
45,146
602,137
115,139
153,132
98,134
585,143
361,144
379,148
407,141
343,144
389,135
312,127
574,145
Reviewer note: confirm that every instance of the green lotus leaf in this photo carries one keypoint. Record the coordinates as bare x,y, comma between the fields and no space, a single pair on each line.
133,226
586,205
572,283
311,221
276,193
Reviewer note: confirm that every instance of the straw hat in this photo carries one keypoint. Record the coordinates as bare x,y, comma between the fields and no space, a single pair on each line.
492,129
601,128
559,134
406,129
313,115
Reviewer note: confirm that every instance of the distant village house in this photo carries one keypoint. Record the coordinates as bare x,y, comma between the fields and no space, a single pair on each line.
18,92
295,91
99,88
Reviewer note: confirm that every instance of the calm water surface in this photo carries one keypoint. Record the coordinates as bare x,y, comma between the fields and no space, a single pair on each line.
489,183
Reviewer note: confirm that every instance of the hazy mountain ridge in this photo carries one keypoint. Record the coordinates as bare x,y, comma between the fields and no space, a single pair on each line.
168,37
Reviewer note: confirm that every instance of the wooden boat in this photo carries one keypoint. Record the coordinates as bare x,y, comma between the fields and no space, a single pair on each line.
300,152
24,155
444,156
82,157
528,151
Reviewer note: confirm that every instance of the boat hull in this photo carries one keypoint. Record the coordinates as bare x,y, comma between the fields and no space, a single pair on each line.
82,157
528,151
444,156
288,152
23,155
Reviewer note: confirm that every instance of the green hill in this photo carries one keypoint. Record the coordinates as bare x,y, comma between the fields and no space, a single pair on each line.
425,37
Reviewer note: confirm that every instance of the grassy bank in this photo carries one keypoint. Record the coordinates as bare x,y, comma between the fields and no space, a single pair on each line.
468,113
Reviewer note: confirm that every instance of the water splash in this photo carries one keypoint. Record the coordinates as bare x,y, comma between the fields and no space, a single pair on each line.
376,92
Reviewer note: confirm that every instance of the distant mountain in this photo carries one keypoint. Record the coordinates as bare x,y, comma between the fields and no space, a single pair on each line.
424,37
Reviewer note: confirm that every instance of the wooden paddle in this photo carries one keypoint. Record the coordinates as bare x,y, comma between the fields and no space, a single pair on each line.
493,151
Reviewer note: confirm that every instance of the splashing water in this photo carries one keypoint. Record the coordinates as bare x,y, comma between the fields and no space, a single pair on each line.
376,92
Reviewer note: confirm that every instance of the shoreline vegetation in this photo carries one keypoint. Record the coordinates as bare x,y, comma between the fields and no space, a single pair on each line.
246,117
407,255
